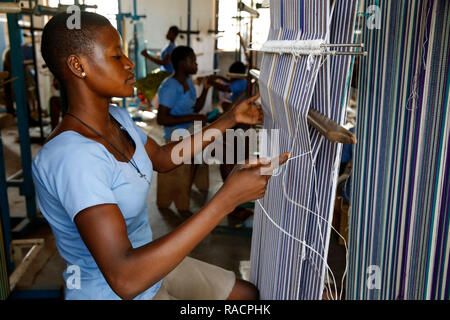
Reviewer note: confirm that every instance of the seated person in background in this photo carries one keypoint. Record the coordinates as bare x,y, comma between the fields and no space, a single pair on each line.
178,102
164,60
178,109
235,86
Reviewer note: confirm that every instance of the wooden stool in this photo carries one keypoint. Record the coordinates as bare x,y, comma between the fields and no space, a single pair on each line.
176,185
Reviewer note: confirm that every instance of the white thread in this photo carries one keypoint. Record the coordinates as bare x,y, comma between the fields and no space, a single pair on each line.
310,61
291,158
315,179
291,236
414,96
305,208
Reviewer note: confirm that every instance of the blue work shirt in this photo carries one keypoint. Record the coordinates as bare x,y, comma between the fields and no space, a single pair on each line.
72,173
171,94
237,87
167,50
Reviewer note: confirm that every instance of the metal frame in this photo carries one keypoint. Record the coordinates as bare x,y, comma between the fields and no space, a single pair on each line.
22,179
26,186
135,17
120,17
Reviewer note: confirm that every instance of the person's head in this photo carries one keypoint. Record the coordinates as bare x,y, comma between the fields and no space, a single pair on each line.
184,60
172,33
90,56
237,67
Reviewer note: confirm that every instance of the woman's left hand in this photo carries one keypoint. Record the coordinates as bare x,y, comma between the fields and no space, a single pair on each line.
247,112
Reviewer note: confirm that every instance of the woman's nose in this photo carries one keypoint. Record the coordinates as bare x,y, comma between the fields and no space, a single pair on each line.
129,65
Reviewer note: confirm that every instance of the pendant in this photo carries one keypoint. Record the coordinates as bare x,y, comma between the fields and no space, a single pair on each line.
145,178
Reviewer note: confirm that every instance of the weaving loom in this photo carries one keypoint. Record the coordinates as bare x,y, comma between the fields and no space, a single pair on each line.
400,215
4,279
292,223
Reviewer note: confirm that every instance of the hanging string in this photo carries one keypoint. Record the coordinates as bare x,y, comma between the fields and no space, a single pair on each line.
307,209
284,222
299,205
411,103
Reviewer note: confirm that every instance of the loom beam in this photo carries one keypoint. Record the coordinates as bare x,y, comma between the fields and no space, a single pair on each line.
330,129
324,125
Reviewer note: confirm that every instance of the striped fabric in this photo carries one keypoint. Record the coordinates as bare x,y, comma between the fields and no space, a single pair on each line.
292,223
4,279
400,215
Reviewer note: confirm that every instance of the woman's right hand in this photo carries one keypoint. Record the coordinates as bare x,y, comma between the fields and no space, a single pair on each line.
247,182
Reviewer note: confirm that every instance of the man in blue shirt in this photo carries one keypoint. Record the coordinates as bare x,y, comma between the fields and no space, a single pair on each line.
164,60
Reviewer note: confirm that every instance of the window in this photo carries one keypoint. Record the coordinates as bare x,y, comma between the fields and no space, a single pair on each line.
232,21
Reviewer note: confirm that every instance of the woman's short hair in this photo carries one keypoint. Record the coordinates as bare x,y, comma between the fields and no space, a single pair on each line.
237,67
180,53
59,41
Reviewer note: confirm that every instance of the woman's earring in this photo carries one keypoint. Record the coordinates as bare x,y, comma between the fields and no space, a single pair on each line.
83,74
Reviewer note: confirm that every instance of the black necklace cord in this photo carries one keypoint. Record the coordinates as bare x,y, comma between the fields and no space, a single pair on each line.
130,161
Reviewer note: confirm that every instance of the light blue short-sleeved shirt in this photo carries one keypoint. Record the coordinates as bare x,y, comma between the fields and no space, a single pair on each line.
72,173
167,50
237,87
171,94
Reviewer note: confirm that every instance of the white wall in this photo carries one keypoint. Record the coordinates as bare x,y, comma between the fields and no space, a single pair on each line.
161,14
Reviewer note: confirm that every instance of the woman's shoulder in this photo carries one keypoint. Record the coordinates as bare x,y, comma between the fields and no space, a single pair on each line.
69,147
169,82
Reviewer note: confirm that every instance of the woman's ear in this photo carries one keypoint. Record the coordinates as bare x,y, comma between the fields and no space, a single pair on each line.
75,66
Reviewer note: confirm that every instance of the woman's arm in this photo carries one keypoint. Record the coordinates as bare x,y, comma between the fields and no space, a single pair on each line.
130,271
161,156
200,103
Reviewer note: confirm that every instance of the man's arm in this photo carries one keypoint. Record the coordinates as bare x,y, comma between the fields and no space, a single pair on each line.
162,62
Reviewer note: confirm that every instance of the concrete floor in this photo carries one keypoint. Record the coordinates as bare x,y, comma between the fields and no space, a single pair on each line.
226,246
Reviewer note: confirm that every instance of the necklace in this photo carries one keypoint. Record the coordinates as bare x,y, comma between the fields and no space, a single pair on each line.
130,161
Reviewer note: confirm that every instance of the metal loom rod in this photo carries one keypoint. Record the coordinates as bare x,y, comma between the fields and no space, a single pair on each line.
345,53
316,53
352,45
324,125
